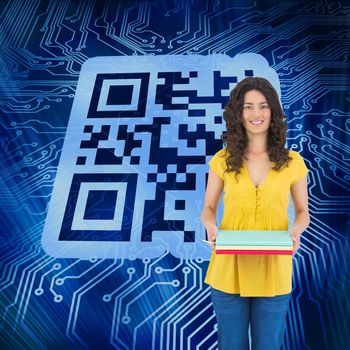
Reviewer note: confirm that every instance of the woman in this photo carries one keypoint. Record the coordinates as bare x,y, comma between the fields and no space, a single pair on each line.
256,174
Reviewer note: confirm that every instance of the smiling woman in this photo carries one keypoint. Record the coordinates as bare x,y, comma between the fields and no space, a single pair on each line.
257,175
256,112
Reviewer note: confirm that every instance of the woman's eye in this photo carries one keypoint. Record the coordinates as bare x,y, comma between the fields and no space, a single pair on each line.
248,107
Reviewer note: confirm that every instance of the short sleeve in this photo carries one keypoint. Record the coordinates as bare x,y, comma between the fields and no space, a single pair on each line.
299,168
218,164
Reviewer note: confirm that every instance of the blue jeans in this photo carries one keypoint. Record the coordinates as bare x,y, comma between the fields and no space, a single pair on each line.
266,316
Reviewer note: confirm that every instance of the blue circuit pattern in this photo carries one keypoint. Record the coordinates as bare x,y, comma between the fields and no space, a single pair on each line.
70,154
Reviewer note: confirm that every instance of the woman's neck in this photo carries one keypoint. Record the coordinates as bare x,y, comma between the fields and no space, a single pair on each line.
257,144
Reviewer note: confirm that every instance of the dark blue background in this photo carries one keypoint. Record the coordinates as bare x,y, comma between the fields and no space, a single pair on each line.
49,303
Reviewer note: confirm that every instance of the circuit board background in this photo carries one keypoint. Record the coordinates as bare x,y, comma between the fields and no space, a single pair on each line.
162,303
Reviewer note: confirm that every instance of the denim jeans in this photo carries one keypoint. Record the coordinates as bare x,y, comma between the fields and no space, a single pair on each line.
266,316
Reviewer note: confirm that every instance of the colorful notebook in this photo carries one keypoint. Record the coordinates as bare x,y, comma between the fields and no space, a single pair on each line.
254,242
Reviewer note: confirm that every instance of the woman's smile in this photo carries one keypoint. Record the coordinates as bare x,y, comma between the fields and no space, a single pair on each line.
257,122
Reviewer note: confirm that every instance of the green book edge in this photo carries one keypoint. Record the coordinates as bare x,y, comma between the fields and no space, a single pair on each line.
254,237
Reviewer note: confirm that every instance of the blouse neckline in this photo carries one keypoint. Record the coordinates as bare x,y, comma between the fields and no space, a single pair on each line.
245,165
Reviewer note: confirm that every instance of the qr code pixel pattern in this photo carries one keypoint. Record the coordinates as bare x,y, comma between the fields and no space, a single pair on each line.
133,169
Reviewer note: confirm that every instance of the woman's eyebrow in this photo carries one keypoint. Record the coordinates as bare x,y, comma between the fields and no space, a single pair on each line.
251,103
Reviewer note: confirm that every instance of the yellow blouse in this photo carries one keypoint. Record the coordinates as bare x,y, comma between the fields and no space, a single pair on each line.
246,207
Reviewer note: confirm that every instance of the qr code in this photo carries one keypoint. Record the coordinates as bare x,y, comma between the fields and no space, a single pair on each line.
132,175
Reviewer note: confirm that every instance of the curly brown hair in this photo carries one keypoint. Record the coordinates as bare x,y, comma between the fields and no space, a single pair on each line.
235,138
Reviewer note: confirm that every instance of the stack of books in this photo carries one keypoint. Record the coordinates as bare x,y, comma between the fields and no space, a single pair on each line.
254,242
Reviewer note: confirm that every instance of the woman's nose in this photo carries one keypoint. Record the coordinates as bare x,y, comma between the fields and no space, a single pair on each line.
256,111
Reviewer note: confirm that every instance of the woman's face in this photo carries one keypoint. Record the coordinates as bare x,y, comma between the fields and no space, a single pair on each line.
256,113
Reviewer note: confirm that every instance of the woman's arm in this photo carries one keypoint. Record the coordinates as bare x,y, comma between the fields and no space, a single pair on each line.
213,193
302,217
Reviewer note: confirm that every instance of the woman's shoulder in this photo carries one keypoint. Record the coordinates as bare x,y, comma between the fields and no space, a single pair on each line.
222,153
297,161
294,154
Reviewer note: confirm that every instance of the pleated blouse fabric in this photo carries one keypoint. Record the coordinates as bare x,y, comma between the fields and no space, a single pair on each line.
246,207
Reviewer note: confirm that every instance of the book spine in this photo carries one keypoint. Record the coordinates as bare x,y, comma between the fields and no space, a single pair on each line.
253,247
269,252
247,244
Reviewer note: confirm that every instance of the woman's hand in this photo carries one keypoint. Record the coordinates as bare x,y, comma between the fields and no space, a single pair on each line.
212,232
295,232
